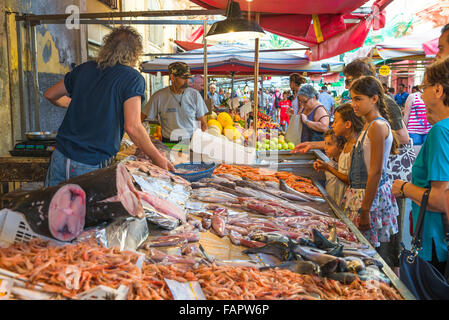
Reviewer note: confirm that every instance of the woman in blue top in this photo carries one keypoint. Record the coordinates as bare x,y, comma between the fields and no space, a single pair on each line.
104,99
431,167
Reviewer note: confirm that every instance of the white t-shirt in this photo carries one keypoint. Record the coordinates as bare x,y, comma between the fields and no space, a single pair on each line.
177,113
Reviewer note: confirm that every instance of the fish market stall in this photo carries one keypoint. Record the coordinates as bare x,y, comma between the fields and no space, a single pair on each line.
135,231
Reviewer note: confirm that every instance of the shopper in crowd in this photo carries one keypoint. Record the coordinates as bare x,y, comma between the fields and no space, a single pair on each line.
285,105
197,83
431,167
415,117
270,102
296,80
212,94
414,90
333,147
443,44
277,97
401,96
262,101
221,95
314,115
179,109
103,100
326,99
391,92
346,126
368,201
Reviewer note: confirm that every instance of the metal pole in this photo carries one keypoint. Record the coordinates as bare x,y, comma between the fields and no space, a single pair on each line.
37,124
11,96
206,89
121,14
114,22
28,58
232,89
256,82
21,80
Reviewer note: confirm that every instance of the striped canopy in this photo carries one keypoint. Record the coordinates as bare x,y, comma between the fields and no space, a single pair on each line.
224,59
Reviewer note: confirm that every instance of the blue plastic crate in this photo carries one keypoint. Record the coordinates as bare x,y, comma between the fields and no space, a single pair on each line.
202,170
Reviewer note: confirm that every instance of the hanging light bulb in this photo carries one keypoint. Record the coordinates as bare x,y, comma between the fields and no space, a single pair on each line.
234,27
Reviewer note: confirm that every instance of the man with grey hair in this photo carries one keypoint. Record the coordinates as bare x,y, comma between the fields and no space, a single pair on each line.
212,94
178,107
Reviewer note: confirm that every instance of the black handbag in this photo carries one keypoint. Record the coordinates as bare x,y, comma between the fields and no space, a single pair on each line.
423,280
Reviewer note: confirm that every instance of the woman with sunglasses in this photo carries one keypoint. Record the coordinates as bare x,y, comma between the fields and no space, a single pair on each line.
314,115
431,167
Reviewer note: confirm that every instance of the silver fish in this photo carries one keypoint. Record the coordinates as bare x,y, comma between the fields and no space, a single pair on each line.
285,187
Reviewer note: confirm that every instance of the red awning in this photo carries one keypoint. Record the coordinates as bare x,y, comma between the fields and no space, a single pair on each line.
293,19
187,45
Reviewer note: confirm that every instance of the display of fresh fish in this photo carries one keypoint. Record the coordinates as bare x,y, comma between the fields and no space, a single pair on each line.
218,224
269,237
191,249
286,188
320,241
250,184
373,273
301,267
214,196
182,238
240,230
196,223
354,264
322,259
250,243
164,206
154,171
280,250
343,277
272,184
96,198
161,257
228,176
220,181
206,222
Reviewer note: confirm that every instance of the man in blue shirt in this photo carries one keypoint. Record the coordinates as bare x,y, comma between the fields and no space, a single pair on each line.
104,100
326,99
401,96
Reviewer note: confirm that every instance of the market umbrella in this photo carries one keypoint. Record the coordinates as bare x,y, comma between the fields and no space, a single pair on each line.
224,59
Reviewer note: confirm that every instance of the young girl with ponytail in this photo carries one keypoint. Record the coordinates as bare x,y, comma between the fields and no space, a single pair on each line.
368,201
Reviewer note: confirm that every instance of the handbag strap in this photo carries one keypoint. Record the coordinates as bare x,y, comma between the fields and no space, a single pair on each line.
417,236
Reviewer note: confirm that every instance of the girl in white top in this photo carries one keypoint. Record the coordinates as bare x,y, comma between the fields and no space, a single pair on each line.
347,125
368,201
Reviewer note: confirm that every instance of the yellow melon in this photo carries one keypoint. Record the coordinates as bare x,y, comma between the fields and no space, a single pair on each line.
231,133
213,122
225,119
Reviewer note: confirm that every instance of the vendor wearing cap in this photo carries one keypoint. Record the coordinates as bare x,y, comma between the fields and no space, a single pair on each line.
314,115
179,108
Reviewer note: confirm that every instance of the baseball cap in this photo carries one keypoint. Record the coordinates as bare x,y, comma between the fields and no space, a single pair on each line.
179,69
